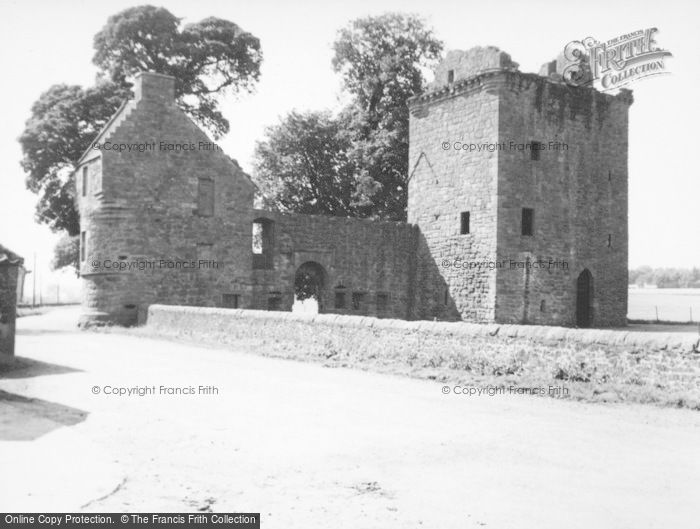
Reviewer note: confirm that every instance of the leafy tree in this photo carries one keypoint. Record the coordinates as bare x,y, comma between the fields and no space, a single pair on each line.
665,277
63,122
207,59
381,61
303,165
66,253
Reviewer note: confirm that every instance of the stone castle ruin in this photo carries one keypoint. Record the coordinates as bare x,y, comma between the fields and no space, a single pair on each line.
517,211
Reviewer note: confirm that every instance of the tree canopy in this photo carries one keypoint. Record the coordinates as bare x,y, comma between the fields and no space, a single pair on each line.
381,62
208,59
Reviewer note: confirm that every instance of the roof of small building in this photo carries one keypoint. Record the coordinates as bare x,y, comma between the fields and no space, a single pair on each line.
8,257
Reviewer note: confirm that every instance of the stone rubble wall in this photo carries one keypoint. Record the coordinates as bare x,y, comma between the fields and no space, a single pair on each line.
669,359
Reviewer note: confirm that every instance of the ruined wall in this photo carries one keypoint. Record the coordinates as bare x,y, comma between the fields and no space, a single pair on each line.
467,63
8,305
146,239
454,280
467,187
367,258
577,186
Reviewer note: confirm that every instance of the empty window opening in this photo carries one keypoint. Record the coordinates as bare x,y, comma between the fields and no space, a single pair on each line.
535,148
274,301
447,296
450,76
382,301
230,301
340,299
83,249
464,223
543,306
528,221
262,243
85,180
358,301
205,197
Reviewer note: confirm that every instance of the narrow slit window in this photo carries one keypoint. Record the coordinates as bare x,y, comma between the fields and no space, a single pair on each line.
528,221
450,76
85,180
535,148
83,249
609,240
464,223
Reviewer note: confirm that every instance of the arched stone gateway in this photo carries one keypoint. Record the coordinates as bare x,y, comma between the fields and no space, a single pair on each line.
309,286
584,299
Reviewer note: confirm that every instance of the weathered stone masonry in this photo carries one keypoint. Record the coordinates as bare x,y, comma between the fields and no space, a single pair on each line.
10,264
194,206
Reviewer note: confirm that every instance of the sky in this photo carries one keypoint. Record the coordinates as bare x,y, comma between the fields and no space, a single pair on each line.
49,42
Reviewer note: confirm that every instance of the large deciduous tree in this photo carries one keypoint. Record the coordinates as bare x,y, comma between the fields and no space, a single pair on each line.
303,165
208,59
381,61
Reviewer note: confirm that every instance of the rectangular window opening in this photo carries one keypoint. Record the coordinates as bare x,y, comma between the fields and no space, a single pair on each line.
83,249
535,148
274,301
464,223
450,76
382,302
358,300
230,301
262,244
340,299
528,221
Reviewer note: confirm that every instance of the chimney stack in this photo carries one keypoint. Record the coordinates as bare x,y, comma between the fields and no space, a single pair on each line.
154,86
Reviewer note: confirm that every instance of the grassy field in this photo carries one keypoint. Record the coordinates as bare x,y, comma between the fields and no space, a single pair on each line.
672,304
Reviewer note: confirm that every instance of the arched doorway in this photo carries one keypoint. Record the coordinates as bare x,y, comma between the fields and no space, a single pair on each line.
584,299
309,288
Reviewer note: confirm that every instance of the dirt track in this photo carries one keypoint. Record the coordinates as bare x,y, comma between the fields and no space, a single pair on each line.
309,446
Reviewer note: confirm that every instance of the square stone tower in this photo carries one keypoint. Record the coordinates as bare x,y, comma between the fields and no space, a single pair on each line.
518,185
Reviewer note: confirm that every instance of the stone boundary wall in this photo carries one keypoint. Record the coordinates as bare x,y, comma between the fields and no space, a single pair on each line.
645,367
279,325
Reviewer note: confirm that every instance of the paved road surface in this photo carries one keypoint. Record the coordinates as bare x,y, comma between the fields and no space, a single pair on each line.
309,446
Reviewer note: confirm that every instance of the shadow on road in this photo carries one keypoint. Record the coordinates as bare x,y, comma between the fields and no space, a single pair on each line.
26,419
21,367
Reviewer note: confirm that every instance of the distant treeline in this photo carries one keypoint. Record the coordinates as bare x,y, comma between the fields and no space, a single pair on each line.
665,277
